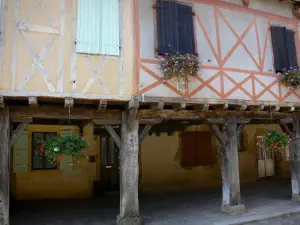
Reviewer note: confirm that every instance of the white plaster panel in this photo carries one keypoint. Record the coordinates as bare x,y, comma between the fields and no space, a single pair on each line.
238,94
206,14
216,83
238,20
228,85
206,74
147,34
206,93
267,96
194,84
241,59
161,91
146,79
238,77
292,98
251,44
273,6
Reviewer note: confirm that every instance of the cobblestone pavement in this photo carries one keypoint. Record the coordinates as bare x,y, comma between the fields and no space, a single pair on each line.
285,220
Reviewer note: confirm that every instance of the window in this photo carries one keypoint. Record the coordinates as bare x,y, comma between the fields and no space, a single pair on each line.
196,149
98,27
175,28
284,48
39,160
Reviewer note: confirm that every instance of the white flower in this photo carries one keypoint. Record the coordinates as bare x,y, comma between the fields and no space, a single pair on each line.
56,149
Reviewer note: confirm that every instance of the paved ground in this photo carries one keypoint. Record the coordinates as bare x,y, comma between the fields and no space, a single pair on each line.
196,207
286,220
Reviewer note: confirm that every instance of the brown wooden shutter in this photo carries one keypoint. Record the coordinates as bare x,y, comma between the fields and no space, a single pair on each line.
196,149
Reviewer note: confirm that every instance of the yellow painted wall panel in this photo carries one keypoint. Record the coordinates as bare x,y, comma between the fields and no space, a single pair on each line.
45,184
161,169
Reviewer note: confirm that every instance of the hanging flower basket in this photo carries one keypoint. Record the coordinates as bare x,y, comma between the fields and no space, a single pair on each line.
57,148
179,65
274,141
290,77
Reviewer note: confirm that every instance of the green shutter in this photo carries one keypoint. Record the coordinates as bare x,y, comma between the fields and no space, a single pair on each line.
98,27
20,153
67,163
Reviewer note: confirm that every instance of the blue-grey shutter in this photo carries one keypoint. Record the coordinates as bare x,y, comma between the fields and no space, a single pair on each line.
186,29
281,60
98,27
20,155
167,27
291,48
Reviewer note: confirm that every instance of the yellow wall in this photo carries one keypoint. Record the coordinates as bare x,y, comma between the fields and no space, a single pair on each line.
21,60
161,169
60,184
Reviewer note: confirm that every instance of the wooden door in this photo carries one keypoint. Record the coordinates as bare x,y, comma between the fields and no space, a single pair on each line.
110,172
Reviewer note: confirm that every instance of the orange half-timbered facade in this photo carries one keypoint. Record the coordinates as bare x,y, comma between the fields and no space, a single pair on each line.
234,45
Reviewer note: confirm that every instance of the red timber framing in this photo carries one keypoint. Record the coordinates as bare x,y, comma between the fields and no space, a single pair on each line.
222,72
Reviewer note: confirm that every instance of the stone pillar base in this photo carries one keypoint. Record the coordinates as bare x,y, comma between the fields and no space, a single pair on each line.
296,198
129,220
234,209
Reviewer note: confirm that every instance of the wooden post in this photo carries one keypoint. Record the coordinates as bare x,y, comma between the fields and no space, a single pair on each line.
228,138
129,170
5,164
295,157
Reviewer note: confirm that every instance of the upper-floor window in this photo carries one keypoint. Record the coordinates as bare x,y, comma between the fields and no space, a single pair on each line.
284,48
175,28
98,27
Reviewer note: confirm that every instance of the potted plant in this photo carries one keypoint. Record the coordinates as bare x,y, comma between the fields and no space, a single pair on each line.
274,141
290,77
57,148
179,65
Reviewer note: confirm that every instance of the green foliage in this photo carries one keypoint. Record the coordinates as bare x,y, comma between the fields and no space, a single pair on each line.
55,148
274,140
179,66
290,77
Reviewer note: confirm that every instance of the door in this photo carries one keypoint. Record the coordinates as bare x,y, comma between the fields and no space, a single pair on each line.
110,176
266,162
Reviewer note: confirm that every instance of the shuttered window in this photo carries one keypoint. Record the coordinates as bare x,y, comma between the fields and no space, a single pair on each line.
284,48
175,29
39,159
196,149
98,27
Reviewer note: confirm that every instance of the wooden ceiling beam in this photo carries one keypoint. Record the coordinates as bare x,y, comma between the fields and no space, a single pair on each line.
33,102
2,102
102,105
69,102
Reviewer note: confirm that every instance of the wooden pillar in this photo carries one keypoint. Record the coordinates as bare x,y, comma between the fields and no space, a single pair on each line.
129,170
228,137
4,165
295,157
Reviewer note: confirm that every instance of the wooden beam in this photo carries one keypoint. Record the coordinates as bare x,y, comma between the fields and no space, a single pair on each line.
102,105
132,108
2,102
145,132
179,106
158,105
114,135
240,107
220,107
202,107
62,113
256,108
285,128
4,168
21,120
16,133
193,115
69,102
33,102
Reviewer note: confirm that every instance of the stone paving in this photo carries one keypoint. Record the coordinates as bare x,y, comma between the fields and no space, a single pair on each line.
285,220
196,207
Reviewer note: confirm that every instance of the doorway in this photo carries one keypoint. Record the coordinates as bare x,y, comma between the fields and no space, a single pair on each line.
109,169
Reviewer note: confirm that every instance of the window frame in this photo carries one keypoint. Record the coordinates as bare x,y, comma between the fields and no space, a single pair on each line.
42,129
155,29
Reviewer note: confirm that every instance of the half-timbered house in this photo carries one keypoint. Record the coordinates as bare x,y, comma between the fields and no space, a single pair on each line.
90,67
